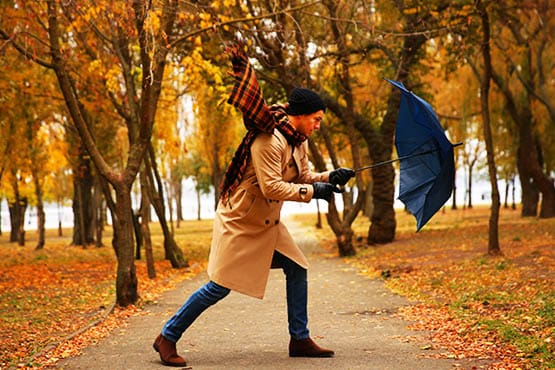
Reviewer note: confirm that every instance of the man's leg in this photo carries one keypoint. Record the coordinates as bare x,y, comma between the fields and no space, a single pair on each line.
297,293
206,296
297,296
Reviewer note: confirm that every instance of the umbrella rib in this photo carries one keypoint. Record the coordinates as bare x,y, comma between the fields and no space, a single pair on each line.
401,158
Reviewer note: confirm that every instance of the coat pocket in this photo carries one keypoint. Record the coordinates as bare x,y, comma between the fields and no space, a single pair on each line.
260,213
239,205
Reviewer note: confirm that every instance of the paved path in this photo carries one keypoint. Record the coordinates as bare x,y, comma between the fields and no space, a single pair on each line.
349,313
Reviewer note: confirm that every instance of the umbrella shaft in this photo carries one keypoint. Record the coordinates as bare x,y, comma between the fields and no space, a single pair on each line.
400,158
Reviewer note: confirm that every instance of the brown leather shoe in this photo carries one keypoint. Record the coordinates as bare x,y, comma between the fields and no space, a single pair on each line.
307,348
168,352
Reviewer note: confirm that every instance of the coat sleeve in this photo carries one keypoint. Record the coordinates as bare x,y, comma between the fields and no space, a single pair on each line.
307,176
267,152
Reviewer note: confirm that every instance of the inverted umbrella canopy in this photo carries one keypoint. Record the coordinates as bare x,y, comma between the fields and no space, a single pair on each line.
427,173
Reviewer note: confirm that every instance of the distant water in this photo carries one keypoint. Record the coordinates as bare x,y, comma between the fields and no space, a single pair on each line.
480,195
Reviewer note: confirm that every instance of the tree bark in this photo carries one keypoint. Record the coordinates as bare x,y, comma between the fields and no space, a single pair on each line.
179,201
17,210
41,217
34,150
17,220
145,224
469,185
126,280
83,221
199,203
156,196
528,153
454,195
98,212
485,79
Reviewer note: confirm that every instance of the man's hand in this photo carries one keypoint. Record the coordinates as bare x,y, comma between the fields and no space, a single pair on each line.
340,176
323,190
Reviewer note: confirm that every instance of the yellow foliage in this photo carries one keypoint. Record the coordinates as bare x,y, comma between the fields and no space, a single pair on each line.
96,67
205,17
113,79
153,21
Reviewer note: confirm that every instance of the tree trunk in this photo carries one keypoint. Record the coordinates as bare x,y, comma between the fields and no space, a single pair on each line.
17,220
345,242
170,209
543,183
179,202
126,281
493,240
199,203
98,212
506,197
513,193
530,195
369,202
145,225
136,214
83,230
454,196
342,230
383,223
17,215
469,191
60,229
217,177
40,212
156,195
318,215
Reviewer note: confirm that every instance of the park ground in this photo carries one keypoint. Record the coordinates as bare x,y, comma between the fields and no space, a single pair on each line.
56,302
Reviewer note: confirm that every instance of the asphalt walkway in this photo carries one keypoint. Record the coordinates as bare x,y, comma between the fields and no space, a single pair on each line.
349,313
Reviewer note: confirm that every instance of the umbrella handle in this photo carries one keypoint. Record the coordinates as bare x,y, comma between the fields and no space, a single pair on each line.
401,158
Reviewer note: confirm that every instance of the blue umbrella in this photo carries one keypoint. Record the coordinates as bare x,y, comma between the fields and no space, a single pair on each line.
427,172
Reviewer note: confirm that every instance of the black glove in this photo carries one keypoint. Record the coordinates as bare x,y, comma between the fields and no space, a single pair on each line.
323,190
340,176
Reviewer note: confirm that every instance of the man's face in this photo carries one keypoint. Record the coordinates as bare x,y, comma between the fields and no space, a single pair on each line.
306,124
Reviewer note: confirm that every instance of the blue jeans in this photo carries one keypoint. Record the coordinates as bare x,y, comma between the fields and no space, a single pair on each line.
211,293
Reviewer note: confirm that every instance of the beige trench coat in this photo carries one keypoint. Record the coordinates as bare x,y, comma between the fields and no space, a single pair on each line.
247,229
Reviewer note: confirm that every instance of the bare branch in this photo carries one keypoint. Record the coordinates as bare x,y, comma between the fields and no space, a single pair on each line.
238,20
23,51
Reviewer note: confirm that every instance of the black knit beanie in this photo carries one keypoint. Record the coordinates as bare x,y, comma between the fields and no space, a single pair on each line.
304,101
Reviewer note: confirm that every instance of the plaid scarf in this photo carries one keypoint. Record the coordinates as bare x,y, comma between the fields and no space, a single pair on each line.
257,117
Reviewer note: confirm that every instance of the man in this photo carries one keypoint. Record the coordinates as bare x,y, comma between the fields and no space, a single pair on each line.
270,167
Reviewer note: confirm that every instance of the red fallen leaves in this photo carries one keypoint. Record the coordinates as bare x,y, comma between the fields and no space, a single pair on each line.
42,303
458,339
